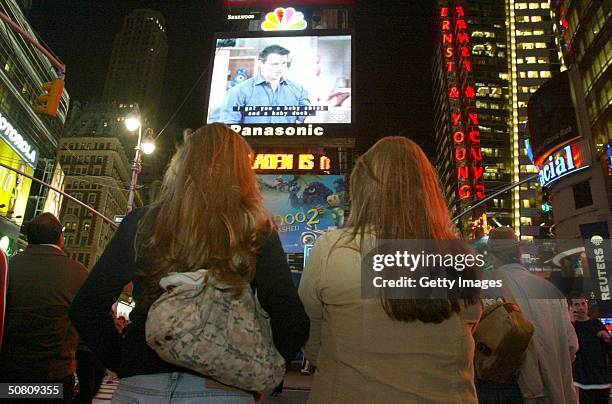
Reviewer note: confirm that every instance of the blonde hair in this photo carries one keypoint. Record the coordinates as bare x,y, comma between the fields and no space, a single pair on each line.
396,195
209,213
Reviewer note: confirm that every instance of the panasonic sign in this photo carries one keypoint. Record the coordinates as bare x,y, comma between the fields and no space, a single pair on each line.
17,142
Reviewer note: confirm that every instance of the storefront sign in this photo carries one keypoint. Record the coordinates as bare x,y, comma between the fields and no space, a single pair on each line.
599,252
562,162
17,142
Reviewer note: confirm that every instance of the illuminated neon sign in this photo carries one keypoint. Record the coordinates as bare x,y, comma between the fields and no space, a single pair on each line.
291,162
284,19
563,162
465,133
17,142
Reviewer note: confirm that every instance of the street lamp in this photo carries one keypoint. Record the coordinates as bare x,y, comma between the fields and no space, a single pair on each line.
133,122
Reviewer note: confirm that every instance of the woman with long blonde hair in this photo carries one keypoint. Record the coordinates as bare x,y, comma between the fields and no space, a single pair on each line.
209,214
386,350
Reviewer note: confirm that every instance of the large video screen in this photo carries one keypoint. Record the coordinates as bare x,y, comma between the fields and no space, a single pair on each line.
281,80
304,206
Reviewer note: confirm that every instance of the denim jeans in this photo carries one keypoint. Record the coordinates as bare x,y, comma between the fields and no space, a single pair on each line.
175,388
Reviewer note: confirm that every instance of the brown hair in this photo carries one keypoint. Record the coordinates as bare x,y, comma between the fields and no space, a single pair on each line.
396,194
209,213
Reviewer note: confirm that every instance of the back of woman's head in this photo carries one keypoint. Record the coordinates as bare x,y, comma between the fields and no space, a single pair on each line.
209,213
396,195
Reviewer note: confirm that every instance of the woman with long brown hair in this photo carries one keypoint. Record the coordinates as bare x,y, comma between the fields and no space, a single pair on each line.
386,350
209,214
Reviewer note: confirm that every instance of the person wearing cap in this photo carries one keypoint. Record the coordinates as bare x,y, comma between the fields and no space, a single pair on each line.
545,375
39,342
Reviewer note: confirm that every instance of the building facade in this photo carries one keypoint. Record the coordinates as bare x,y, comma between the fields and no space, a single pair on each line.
137,63
97,168
510,53
28,141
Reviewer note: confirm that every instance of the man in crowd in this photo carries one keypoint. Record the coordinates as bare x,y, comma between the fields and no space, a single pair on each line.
270,87
39,341
591,374
545,375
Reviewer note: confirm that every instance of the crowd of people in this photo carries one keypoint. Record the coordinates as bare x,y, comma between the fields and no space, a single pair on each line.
209,214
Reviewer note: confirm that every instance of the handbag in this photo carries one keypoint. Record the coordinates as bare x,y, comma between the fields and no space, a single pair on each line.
502,337
199,323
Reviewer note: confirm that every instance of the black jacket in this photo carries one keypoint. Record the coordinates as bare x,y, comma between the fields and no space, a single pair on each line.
132,356
39,342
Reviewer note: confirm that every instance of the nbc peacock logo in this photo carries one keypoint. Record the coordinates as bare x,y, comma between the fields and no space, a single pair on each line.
284,19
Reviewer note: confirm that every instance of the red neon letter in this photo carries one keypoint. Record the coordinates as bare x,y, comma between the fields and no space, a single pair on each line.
469,92
444,12
458,137
449,52
456,119
445,25
478,172
460,154
473,117
476,153
475,136
460,12
468,65
461,24
462,173
450,66
464,191
447,38
453,92
463,37
465,52
479,191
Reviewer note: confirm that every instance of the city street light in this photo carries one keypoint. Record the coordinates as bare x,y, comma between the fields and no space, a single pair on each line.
133,122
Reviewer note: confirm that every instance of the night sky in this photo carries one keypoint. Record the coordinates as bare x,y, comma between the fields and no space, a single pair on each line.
394,42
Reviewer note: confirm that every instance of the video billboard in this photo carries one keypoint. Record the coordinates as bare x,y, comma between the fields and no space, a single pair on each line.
304,206
552,120
272,81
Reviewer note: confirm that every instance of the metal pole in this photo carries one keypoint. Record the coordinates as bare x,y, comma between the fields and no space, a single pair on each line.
73,199
135,172
60,66
501,191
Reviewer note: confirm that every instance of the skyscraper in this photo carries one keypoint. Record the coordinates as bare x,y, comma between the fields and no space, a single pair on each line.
508,53
138,61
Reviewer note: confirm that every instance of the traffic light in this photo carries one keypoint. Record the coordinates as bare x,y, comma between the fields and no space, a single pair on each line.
51,98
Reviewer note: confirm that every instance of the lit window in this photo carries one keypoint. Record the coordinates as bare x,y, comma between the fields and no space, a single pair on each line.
543,59
526,45
530,59
534,6
523,32
532,74
543,5
520,6
536,18
545,74
522,75
526,221
538,32
540,45
526,203
519,61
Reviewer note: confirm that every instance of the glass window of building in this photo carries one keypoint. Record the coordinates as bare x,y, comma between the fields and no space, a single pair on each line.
543,59
522,74
536,18
531,59
534,6
544,5
540,45
526,221
545,74
532,74
526,45
520,6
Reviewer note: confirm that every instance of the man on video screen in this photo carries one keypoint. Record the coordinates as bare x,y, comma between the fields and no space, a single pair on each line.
269,88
